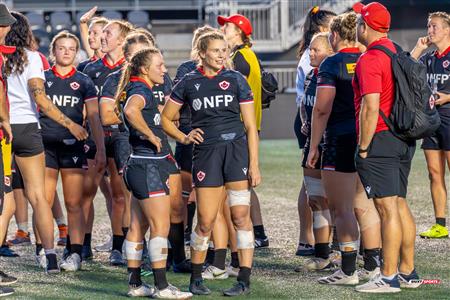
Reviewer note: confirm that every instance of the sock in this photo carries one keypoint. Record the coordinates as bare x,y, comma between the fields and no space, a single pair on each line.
125,231
361,248
440,221
349,262
76,248
196,272
160,278
134,277
87,240
219,258
244,275
23,226
371,259
118,242
38,248
176,239
259,232
209,256
322,250
50,251
234,260
190,219
61,221
68,243
389,277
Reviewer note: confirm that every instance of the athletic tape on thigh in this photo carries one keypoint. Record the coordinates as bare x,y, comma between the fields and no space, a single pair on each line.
314,187
199,243
368,218
158,248
238,197
321,218
133,250
349,246
245,239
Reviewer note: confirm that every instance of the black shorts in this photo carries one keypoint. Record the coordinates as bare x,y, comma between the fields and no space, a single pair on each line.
305,156
17,180
90,149
338,153
109,144
183,153
385,170
121,150
147,177
218,164
27,140
67,154
440,140
301,138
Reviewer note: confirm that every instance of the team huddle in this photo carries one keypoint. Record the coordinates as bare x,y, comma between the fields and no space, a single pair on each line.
106,122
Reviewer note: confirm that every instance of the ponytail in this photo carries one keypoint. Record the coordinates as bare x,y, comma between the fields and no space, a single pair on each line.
124,79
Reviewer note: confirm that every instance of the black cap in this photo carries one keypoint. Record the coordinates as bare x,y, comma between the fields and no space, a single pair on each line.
6,19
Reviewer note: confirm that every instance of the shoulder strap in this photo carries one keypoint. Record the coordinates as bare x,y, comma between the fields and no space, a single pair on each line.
387,51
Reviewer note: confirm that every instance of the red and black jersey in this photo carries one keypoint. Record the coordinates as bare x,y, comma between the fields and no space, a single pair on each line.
215,103
99,70
69,93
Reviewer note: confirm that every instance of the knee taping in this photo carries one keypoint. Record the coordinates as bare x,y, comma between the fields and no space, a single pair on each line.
368,218
199,243
158,248
245,239
321,218
133,250
238,197
349,246
314,187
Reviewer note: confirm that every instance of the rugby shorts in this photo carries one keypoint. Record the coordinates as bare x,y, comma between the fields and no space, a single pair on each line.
338,153
66,154
305,156
27,140
17,180
121,150
183,153
440,140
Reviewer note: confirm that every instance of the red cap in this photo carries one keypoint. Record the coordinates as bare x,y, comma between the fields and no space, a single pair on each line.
7,49
239,20
375,15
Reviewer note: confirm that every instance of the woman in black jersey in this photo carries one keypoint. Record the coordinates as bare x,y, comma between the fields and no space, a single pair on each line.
147,173
70,91
225,158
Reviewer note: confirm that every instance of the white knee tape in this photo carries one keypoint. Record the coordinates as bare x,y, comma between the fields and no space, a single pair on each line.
245,239
321,218
199,243
133,250
349,246
157,247
314,187
238,197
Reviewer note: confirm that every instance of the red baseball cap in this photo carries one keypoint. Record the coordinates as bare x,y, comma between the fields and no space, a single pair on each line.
375,15
239,20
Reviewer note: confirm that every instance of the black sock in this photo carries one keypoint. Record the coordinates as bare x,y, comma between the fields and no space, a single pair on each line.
125,231
87,240
134,277
160,278
176,239
244,275
361,248
68,243
196,271
118,242
440,221
190,217
76,248
38,248
349,262
219,258
259,232
371,259
210,256
234,260
322,250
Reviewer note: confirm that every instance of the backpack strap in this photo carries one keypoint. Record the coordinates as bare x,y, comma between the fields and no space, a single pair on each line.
387,51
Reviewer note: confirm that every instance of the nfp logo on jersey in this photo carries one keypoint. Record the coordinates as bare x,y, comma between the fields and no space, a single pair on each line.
212,102
65,100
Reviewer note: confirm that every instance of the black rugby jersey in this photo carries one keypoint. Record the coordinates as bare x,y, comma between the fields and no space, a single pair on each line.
69,93
310,95
337,71
99,70
85,62
161,91
438,72
140,145
183,69
214,103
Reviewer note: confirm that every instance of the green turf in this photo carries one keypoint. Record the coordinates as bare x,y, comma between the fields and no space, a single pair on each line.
273,274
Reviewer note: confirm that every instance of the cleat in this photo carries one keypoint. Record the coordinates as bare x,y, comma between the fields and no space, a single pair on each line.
6,279
340,278
319,264
41,259
198,287
435,232
72,263
6,291
366,275
360,261
411,281
380,285
182,267
171,292
212,273
105,247
304,250
238,289
146,269
116,258
51,266
141,291
86,253
261,243
5,251
65,254
336,258
21,238
232,271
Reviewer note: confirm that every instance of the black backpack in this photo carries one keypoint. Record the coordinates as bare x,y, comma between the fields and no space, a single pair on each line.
269,87
414,115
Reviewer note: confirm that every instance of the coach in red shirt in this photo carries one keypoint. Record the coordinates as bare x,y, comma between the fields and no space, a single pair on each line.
383,161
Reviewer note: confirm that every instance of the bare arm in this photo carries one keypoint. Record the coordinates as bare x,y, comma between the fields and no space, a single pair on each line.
368,119
108,112
248,116
422,44
97,132
84,30
171,113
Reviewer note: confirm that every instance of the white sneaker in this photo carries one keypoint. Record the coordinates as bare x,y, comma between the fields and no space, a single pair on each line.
336,258
105,247
171,292
71,263
232,271
340,278
142,291
365,275
319,264
41,259
380,285
212,273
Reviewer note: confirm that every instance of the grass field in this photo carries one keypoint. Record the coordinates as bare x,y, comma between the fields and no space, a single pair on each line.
273,273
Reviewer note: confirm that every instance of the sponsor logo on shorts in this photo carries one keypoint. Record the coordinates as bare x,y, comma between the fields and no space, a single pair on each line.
445,63
75,159
201,175
197,86
97,74
49,83
244,170
86,148
167,183
224,85
432,101
74,85
368,189
157,119
7,181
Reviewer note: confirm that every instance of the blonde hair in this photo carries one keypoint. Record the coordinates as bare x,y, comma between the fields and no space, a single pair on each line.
102,21
197,33
440,14
345,26
324,36
62,35
124,27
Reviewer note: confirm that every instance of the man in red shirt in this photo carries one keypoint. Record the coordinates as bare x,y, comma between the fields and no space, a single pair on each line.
383,161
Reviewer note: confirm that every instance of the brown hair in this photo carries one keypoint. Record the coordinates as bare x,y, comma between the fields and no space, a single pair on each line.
197,33
245,38
440,14
345,26
203,40
147,33
135,38
102,21
62,35
124,26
